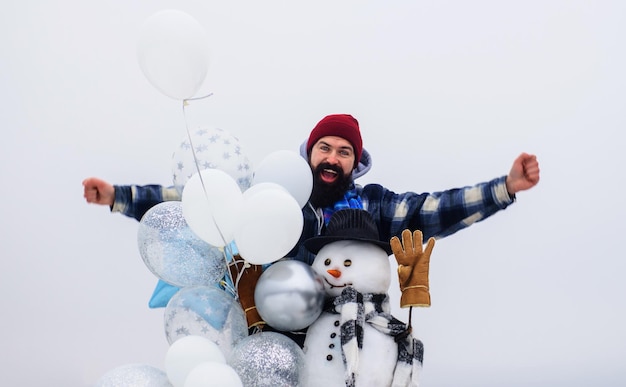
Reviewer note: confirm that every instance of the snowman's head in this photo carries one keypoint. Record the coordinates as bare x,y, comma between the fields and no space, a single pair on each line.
350,253
362,265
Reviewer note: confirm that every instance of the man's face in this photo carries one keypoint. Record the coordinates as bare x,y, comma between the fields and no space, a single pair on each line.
332,160
335,151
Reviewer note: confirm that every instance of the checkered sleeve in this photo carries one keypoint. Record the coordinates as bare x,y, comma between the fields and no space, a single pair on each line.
450,211
135,200
437,214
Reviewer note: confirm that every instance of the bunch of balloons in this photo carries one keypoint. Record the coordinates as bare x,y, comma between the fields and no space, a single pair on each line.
228,208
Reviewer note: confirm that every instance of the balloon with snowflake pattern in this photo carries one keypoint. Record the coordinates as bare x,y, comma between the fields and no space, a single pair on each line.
206,311
213,148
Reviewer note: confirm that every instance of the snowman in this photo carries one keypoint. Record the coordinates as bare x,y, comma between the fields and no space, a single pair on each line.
356,341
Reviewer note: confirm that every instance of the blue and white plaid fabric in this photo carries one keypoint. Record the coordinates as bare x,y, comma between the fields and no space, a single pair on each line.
135,200
437,214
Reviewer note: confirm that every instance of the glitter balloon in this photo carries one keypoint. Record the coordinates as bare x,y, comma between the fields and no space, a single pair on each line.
289,296
173,252
136,375
268,359
214,149
206,311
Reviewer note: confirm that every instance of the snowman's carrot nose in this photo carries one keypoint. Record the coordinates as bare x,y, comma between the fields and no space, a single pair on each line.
334,273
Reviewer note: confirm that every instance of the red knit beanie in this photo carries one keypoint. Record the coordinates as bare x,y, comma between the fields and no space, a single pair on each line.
340,125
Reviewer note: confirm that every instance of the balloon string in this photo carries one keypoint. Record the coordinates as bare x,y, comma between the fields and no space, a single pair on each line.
227,251
196,98
227,286
244,266
193,150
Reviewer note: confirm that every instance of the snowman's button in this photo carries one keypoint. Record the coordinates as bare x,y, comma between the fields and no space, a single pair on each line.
331,346
337,323
329,357
333,335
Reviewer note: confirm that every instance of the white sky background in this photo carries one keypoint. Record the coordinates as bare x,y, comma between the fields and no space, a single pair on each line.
448,93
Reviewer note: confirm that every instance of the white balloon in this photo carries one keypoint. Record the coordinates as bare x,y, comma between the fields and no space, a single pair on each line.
211,202
188,352
270,225
209,374
213,148
173,54
255,189
288,169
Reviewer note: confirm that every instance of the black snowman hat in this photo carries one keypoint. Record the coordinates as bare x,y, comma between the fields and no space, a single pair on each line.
349,224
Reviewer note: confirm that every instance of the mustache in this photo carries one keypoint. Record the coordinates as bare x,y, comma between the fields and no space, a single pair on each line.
332,167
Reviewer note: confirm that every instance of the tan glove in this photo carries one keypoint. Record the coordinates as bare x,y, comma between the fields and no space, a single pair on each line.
413,263
245,289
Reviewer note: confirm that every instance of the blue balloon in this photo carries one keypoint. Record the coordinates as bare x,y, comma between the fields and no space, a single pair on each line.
206,311
162,294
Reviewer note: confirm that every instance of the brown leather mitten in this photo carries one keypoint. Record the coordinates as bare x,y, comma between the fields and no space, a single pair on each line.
245,288
413,264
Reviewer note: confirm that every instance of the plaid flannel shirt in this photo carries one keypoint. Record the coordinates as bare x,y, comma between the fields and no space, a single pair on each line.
437,214
135,200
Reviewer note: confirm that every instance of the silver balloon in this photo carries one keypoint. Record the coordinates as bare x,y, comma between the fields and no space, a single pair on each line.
206,311
173,252
268,359
289,295
137,375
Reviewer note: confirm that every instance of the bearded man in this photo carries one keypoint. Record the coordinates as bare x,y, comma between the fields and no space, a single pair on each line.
334,150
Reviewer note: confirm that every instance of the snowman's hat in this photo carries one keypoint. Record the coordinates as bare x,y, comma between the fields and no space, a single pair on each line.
349,224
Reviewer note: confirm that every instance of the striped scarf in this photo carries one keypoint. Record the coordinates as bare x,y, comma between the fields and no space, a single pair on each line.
350,200
355,310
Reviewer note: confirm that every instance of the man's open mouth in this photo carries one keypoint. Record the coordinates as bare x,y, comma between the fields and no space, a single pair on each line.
328,175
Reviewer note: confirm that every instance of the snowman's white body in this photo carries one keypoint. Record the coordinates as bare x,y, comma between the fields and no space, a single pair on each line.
365,267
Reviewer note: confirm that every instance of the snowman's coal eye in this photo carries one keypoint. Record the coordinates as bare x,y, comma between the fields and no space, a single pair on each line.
327,262
347,262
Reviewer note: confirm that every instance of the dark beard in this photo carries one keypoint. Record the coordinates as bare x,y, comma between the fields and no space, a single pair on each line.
324,194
